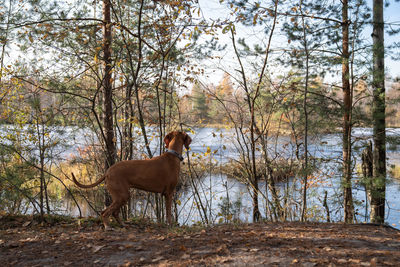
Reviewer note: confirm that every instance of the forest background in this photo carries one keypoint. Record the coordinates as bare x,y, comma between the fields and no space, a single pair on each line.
128,72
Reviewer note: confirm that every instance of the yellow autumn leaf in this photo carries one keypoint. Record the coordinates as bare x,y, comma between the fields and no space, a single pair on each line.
255,19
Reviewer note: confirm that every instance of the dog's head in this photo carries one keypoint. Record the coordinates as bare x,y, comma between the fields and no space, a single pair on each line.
187,140
175,134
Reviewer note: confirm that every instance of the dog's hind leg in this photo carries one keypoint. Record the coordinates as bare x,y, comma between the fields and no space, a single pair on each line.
105,216
117,218
122,200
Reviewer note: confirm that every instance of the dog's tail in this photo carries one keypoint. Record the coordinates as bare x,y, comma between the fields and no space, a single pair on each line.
89,185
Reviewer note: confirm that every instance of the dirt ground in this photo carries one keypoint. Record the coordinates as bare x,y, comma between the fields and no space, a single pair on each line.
24,243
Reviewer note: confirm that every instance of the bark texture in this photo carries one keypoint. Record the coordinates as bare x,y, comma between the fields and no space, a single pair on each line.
347,106
378,185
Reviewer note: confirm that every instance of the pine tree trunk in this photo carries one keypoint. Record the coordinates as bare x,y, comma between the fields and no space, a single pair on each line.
305,164
367,170
347,105
107,90
378,186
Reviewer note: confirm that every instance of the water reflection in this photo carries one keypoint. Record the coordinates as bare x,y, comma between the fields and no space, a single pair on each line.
213,189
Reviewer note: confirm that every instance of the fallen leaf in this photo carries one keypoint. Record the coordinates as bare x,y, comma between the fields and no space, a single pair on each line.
158,259
128,245
185,256
131,236
272,261
127,264
97,248
27,223
223,249
373,261
365,264
355,261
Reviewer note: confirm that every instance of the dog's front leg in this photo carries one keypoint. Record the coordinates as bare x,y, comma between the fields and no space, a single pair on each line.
168,206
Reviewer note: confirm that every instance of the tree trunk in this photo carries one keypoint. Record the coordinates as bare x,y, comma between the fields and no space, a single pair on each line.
367,164
325,204
277,209
136,81
5,40
254,174
128,126
107,85
367,170
378,185
107,90
305,164
347,106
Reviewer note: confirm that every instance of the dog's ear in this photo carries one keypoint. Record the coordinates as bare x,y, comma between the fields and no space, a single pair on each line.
167,139
187,141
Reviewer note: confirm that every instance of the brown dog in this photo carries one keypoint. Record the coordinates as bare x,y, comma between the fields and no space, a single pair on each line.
159,175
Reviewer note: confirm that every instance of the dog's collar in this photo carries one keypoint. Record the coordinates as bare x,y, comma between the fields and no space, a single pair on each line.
173,152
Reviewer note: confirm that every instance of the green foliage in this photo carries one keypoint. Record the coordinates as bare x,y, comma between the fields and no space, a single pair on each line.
16,183
393,142
200,104
229,211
